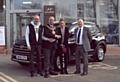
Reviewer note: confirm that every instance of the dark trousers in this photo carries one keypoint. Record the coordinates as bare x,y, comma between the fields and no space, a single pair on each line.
63,60
37,49
80,52
49,58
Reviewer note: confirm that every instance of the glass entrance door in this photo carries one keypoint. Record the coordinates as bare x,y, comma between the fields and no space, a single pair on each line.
22,20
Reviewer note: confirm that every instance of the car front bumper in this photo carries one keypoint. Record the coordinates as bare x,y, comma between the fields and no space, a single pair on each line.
24,60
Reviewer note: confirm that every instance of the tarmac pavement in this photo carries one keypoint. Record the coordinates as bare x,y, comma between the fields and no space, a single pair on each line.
106,71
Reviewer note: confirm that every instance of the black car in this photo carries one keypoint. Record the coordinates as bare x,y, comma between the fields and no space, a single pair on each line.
20,53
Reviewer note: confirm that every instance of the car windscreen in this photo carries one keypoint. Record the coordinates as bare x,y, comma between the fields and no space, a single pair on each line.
92,28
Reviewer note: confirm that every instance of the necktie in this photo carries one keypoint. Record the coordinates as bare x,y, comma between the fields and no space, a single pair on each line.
78,39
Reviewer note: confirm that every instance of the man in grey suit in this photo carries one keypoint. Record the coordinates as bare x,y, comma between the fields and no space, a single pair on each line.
83,39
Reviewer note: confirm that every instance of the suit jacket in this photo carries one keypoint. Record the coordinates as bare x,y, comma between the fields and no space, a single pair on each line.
86,38
66,36
48,34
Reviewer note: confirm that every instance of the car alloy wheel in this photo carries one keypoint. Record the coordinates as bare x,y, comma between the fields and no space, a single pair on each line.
58,62
100,53
99,56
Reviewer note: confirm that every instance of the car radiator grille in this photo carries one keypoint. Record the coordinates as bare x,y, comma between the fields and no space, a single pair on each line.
21,49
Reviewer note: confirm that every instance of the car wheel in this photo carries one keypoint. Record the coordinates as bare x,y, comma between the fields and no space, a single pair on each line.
100,54
23,64
114,40
57,61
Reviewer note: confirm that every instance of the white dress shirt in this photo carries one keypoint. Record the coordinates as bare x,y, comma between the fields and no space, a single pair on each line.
27,32
81,33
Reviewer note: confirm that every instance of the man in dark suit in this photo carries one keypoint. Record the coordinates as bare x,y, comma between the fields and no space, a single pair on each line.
34,41
49,46
83,39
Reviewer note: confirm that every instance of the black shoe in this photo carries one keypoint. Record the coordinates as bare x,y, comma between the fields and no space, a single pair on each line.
53,73
61,72
77,72
46,76
40,74
84,73
32,75
66,72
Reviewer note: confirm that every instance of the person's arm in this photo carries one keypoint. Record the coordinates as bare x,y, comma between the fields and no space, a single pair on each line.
67,36
47,39
27,37
57,35
43,37
89,35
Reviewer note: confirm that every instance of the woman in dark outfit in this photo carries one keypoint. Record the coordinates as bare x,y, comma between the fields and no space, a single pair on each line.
63,46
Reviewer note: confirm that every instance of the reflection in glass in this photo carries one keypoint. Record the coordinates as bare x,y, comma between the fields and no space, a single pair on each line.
109,15
26,4
1,18
109,20
90,10
86,10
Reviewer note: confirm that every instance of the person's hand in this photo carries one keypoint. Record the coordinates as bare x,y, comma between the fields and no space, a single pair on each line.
58,36
51,40
62,45
29,47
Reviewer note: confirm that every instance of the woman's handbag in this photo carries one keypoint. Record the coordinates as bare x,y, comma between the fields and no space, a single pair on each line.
64,50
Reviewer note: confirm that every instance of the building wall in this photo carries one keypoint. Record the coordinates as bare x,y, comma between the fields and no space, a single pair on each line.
102,12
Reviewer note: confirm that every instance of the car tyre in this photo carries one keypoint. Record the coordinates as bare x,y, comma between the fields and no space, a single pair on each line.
99,54
57,61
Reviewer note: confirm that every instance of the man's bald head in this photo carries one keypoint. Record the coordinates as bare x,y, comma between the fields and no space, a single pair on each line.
36,19
51,20
80,22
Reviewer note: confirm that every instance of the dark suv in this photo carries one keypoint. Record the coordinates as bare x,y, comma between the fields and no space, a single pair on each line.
20,53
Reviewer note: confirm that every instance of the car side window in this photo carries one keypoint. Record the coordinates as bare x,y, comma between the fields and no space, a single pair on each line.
72,28
92,28
96,30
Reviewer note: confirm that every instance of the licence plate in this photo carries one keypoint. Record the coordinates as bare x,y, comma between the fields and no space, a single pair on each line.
21,57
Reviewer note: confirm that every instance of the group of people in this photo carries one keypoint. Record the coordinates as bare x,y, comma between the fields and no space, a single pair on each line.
50,38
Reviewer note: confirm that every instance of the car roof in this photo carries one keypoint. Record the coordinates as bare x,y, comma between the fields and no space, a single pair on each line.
85,22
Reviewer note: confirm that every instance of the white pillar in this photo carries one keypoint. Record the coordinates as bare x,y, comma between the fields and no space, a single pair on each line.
97,12
8,23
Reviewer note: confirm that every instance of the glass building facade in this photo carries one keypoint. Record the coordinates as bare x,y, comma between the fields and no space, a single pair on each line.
19,13
2,17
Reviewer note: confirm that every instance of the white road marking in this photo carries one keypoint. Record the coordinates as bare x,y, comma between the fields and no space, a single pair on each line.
3,79
100,65
6,77
70,74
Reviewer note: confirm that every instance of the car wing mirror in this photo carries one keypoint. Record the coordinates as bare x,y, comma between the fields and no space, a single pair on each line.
71,34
